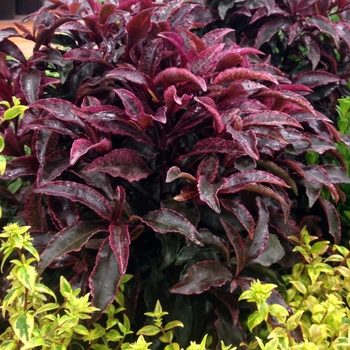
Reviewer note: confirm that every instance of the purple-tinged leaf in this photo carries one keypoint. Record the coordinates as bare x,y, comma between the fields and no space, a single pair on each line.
69,239
269,29
63,211
343,28
134,108
208,193
210,105
119,240
173,102
208,167
138,28
241,212
105,277
119,200
11,49
230,60
316,78
55,164
238,181
337,174
171,76
237,243
288,96
186,193
246,139
204,60
238,73
178,42
201,277
61,109
82,146
175,173
4,69
30,84
35,213
274,118
298,88
123,163
20,167
218,243
86,55
313,51
78,193
216,36
261,67
151,57
165,220
8,32
324,25
261,232
334,227
131,75
295,30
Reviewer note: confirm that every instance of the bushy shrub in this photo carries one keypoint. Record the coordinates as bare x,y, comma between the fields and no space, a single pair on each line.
155,146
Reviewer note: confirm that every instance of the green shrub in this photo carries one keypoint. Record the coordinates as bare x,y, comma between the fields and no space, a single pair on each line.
318,295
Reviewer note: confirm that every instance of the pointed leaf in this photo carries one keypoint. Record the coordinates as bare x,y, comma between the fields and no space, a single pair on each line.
239,73
210,105
208,193
216,36
316,78
324,25
237,243
201,277
119,240
272,253
105,277
20,167
123,163
273,118
246,139
269,29
334,227
78,193
166,220
30,84
67,240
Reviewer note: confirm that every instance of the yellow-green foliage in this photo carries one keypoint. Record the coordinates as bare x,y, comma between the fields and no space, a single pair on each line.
319,295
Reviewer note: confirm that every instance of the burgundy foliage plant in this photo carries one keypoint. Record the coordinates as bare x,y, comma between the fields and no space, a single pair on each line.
155,144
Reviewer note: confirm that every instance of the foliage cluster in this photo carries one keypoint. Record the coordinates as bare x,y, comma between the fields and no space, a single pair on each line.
155,141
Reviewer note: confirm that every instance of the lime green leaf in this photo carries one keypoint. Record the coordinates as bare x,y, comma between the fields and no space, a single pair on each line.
167,338
299,286
173,324
46,307
254,320
65,287
320,248
343,271
8,345
27,274
2,144
148,330
174,346
278,311
278,332
23,326
294,320
113,335
80,329
14,112
2,165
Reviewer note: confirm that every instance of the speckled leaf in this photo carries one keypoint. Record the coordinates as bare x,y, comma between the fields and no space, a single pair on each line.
324,25
78,193
273,118
166,220
119,240
208,193
30,84
202,276
334,227
123,163
105,277
316,78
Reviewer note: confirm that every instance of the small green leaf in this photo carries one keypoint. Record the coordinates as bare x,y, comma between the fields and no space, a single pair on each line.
2,144
14,112
278,332
148,330
167,338
173,324
65,287
46,307
8,345
2,165
299,286
254,320
23,326
294,320
26,274
320,248
173,346
80,329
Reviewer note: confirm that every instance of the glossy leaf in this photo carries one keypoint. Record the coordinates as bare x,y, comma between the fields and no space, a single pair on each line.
268,30
316,78
119,240
123,163
201,277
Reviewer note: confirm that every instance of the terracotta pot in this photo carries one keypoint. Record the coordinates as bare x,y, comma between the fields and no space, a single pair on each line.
26,7
8,8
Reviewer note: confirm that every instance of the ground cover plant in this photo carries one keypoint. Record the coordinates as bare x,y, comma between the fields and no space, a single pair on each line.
156,145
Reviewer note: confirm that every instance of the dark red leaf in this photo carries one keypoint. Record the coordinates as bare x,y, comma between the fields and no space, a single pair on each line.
67,240
86,55
63,211
208,193
237,243
201,277
30,84
216,36
20,167
238,73
78,193
35,213
151,57
269,29
178,42
82,146
175,173
334,227
324,25
238,181
165,220
261,232
246,139
119,240
175,75
131,75
316,78
123,163
313,51
241,212
343,29
104,278
274,118
208,167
